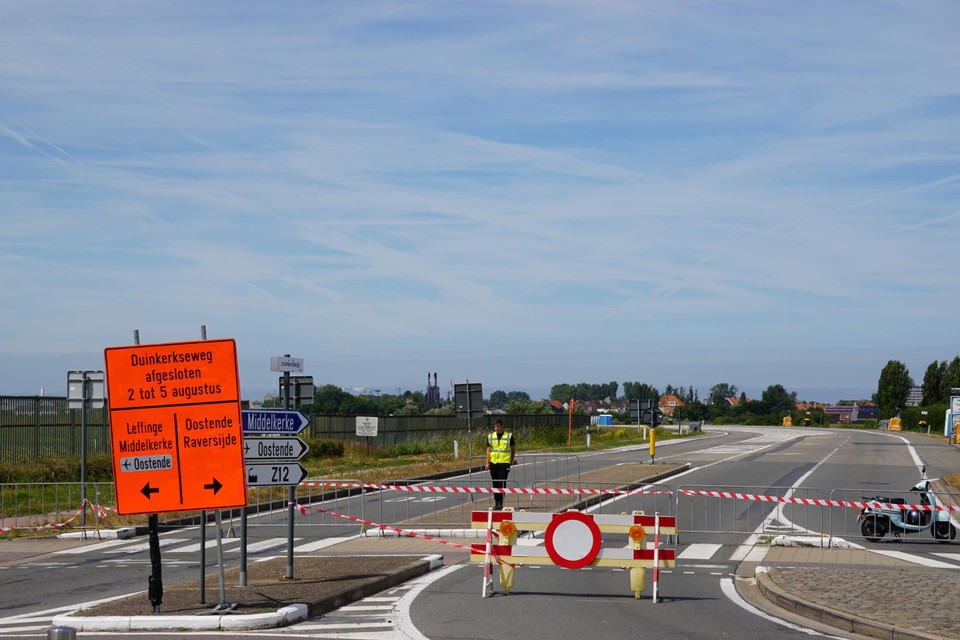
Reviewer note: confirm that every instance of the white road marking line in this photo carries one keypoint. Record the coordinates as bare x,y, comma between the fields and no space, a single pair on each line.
729,590
926,562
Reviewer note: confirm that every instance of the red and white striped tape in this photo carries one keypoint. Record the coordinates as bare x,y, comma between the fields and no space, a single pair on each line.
99,510
304,509
857,504
488,490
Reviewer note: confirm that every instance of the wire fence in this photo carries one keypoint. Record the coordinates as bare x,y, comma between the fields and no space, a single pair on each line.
37,427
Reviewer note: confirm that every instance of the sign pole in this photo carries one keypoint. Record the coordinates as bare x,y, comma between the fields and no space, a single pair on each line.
85,389
83,449
203,530
292,492
469,439
219,516
155,580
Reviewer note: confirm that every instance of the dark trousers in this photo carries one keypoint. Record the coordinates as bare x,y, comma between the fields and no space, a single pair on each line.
499,473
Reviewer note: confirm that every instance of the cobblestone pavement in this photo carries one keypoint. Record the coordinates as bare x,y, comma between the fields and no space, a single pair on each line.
856,592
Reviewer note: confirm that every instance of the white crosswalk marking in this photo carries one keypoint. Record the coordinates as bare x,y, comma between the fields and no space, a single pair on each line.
145,546
372,618
699,551
210,544
749,553
316,545
264,545
91,548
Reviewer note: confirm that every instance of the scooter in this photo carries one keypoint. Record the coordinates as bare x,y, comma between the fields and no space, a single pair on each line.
876,520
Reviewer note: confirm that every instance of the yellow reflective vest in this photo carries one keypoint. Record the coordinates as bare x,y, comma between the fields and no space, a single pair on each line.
499,447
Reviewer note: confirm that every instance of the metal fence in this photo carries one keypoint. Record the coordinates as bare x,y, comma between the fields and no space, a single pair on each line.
53,504
38,427
392,430
714,509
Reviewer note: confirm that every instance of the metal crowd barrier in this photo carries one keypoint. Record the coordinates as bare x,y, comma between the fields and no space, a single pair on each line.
743,509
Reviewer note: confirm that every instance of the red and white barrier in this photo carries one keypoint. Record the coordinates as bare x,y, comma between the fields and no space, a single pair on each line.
573,540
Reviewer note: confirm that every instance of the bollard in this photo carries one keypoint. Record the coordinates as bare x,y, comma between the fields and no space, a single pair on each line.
61,633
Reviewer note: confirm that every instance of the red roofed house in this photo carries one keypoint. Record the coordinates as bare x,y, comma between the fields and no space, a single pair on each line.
669,403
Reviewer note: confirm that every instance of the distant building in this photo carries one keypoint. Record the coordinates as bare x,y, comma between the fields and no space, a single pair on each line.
841,413
669,404
868,412
853,412
433,392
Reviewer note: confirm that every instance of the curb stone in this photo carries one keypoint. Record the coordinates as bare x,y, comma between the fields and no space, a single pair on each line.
287,615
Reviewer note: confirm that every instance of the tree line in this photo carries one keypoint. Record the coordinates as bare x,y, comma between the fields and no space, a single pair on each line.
893,390
895,384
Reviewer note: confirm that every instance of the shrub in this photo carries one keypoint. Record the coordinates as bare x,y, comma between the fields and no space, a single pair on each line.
415,447
99,469
323,448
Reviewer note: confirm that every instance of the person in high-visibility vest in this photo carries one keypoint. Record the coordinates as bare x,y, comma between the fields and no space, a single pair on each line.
501,453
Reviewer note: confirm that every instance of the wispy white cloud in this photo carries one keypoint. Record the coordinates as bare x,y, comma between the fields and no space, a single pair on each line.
509,190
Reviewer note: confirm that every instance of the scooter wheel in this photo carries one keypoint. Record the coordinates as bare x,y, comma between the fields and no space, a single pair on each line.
944,532
873,528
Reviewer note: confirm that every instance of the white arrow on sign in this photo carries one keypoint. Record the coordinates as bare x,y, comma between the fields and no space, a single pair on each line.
275,474
273,448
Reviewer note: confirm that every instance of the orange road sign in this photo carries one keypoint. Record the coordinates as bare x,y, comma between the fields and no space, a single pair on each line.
175,426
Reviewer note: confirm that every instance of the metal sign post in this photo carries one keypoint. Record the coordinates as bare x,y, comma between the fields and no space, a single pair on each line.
84,389
469,399
303,390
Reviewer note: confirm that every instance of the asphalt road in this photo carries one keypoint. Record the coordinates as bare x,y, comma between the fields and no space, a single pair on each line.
550,601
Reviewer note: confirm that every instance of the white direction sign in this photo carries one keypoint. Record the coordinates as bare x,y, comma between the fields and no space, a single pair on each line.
366,426
275,474
273,448
280,421
286,363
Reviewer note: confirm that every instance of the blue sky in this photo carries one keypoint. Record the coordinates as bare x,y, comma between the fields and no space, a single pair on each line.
514,193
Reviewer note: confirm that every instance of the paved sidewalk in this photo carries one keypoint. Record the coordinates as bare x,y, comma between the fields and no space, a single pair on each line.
861,592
